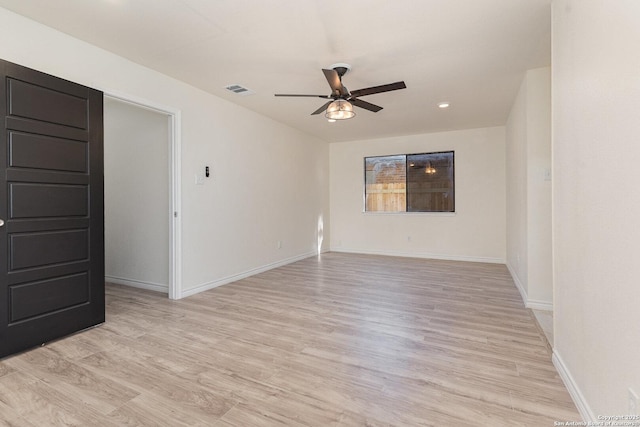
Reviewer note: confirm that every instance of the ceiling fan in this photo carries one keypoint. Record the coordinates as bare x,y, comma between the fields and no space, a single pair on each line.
340,106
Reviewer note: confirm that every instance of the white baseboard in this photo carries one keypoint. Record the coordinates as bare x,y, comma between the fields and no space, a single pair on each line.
158,287
578,398
539,305
420,255
529,303
516,280
225,280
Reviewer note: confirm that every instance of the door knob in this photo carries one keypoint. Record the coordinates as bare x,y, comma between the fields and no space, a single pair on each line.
1,223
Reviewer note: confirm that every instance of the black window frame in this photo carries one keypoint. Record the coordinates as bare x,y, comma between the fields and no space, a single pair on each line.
406,194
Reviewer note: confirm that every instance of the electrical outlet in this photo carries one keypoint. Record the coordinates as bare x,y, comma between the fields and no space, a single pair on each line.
408,238
279,244
633,403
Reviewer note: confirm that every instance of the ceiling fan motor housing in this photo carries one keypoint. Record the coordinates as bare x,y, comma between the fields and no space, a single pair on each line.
341,68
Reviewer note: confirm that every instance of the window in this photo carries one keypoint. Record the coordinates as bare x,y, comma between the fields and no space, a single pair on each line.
410,183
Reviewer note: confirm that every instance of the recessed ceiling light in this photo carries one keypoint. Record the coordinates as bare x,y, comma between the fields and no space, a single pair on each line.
443,105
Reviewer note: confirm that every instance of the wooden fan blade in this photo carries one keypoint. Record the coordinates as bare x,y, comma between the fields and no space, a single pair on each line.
321,109
366,105
305,96
336,84
378,89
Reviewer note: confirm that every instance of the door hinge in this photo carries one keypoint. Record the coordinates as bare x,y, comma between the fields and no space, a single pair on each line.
175,214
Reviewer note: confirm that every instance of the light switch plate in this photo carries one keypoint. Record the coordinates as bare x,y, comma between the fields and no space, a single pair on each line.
200,178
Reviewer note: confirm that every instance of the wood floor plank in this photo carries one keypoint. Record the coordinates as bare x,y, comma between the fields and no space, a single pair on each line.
335,340
5,369
164,414
39,403
71,379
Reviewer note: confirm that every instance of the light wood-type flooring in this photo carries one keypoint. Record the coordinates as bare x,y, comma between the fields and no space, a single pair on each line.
335,340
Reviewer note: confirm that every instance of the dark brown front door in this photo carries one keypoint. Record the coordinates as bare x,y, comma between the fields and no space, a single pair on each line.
51,203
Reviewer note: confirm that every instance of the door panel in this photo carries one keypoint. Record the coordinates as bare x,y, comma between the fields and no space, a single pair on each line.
45,152
36,298
47,200
51,106
51,200
49,247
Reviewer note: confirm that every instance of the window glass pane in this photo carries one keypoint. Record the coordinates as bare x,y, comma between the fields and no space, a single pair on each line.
430,182
385,184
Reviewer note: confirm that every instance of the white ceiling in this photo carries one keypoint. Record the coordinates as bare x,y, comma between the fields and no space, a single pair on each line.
472,53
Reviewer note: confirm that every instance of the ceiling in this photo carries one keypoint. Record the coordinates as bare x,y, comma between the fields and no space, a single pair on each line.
471,53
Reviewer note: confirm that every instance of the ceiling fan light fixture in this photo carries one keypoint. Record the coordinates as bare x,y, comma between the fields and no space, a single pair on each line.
430,170
340,109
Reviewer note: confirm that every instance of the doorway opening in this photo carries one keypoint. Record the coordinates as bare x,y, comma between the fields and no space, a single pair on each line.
142,194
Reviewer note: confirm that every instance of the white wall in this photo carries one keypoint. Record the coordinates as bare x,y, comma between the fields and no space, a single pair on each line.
136,196
476,232
516,222
596,201
528,132
540,270
269,182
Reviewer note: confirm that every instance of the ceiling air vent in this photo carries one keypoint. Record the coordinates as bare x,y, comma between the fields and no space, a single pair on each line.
240,90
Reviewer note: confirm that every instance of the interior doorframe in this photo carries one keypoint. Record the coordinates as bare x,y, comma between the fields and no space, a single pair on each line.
175,198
